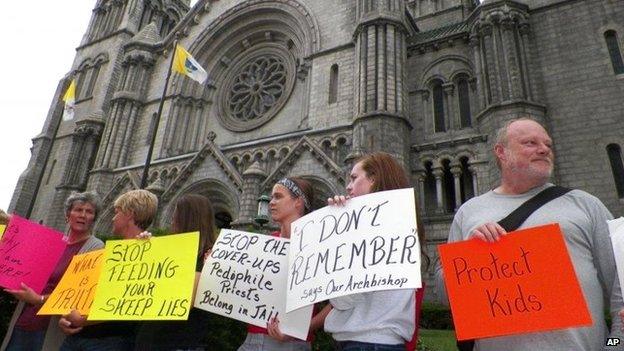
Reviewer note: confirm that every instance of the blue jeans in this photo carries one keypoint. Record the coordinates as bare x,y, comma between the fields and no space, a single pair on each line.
24,340
111,343
263,342
366,346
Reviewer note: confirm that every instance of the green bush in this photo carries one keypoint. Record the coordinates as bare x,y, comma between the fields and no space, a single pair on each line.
322,341
225,333
435,316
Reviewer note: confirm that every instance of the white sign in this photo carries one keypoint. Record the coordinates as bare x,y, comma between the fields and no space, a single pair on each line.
245,279
370,244
616,228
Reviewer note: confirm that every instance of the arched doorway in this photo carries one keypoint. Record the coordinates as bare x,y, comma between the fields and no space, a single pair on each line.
224,201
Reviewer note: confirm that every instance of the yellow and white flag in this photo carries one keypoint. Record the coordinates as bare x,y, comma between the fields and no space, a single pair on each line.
70,101
185,64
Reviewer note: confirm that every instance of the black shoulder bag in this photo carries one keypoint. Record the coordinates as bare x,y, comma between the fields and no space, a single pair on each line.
514,220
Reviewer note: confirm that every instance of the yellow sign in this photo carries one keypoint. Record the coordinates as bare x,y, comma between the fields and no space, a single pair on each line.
77,287
2,228
147,279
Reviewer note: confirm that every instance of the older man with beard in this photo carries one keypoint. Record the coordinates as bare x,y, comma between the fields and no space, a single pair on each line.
525,157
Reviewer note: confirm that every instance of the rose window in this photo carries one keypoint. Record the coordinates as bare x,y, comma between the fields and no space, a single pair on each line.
257,88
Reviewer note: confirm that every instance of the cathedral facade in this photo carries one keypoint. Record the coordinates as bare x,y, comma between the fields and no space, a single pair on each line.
304,87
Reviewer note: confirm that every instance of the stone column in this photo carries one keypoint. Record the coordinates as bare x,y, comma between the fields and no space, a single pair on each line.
252,179
491,57
421,176
475,44
457,172
449,100
475,183
380,56
438,173
523,30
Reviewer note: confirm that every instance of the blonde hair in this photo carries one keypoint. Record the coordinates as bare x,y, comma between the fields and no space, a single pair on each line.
142,204
4,218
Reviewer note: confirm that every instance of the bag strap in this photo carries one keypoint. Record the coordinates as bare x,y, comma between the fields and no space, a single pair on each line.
515,219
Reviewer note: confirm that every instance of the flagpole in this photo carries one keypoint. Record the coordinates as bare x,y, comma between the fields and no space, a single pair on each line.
148,160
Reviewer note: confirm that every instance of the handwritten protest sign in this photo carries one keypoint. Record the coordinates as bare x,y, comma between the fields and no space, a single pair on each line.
245,279
2,228
616,228
369,244
147,279
29,253
523,283
76,289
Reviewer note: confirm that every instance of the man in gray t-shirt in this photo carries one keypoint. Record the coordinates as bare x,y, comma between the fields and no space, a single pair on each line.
524,154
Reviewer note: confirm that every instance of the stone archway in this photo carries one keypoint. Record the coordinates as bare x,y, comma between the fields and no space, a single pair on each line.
224,201
322,190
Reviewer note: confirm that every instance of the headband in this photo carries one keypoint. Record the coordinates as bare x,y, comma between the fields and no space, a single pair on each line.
295,190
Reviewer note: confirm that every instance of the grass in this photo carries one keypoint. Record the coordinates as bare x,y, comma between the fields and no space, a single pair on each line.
437,340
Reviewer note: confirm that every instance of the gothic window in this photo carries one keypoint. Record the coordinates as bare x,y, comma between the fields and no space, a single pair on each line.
80,82
256,87
463,94
333,84
168,22
146,17
614,51
124,76
438,107
448,187
614,151
466,180
95,71
430,190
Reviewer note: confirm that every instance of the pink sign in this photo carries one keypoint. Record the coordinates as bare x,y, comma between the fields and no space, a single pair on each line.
29,253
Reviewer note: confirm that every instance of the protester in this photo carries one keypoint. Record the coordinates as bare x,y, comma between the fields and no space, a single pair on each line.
291,198
378,320
524,154
192,213
134,212
27,331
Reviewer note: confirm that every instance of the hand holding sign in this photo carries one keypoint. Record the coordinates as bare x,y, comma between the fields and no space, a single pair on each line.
147,279
76,289
244,278
510,285
25,294
369,244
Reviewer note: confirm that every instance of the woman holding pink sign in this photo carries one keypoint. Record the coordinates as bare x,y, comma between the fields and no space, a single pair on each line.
379,319
27,331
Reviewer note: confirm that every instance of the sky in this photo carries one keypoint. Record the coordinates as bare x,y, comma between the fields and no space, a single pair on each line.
39,40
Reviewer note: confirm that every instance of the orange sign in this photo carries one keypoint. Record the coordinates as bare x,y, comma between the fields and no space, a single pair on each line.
523,283
76,289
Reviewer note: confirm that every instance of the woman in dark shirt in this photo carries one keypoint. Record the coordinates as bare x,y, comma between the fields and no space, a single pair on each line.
192,213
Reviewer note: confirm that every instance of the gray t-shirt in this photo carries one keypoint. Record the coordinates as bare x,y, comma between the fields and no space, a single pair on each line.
382,317
582,218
